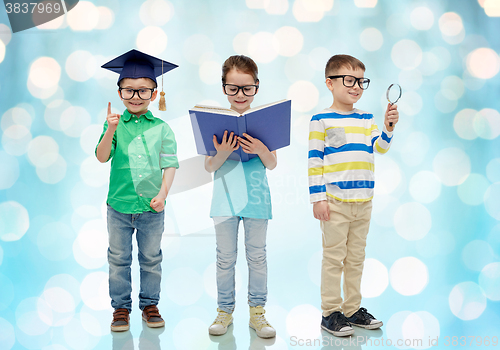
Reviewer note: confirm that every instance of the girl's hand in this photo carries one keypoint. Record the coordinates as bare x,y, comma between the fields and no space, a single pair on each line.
228,145
252,145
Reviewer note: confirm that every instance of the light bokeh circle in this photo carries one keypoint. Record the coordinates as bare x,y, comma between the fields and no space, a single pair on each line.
477,254
452,166
486,123
463,124
290,41
9,171
371,39
45,73
489,281
493,170
412,221
14,221
406,54
491,202
422,18
304,94
409,276
7,334
263,47
81,65
472,190
152,40
425,186
94,290
375,278
467,301
53,173
302,321
156,12
182,286
83,17
483,63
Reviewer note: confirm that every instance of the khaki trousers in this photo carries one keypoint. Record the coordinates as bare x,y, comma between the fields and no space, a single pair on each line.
344,241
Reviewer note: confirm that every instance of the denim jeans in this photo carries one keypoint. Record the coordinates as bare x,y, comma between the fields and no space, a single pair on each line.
226,230
149,230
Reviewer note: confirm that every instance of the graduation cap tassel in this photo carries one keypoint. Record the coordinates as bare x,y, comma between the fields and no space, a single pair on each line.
162,105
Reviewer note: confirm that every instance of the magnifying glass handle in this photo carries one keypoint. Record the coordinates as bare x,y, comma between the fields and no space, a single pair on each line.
390,123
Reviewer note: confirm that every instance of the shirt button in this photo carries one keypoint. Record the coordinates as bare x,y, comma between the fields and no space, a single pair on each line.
139,156
137,121
140,175
140,194
138,137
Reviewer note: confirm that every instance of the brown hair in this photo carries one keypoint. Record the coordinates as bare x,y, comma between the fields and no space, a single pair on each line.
243,64
342,61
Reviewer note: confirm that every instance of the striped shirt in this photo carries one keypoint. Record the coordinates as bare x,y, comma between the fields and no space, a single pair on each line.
341,162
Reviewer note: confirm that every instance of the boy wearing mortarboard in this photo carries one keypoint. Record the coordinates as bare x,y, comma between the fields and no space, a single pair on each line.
140,146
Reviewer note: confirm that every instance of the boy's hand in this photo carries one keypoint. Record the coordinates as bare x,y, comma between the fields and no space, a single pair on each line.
158,203
391,116
112,118
228,145
321,211
252,145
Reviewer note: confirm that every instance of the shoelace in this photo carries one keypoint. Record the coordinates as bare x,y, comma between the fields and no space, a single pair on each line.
364,314
221,317
340,319
261,320
120,315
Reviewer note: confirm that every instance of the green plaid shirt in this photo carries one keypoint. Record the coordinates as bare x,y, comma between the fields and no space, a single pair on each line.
141,148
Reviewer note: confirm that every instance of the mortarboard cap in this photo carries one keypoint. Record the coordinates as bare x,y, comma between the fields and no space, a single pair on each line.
135,64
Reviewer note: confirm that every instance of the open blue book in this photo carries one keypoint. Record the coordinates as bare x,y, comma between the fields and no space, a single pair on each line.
269,123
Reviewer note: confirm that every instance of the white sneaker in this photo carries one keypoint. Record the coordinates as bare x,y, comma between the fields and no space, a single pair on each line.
223,320
260,324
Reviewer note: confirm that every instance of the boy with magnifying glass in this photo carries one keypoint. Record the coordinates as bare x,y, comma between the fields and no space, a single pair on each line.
342,140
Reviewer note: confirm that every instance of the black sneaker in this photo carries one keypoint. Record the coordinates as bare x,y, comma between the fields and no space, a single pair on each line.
363,319
337,324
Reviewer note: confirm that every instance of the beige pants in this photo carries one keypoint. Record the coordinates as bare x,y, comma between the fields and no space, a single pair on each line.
344,241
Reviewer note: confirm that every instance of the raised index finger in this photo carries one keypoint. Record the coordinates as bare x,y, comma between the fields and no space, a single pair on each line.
109,108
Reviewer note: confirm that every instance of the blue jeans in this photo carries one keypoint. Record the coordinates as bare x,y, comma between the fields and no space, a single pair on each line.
149,230
226,230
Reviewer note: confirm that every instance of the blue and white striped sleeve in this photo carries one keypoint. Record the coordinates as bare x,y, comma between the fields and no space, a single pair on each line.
317,188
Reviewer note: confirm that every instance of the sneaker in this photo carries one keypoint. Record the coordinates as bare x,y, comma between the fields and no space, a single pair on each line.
337,324
222,321
363,319
120,320
260,324
152,316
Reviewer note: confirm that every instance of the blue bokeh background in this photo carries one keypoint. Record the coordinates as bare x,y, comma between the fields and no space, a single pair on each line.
433,265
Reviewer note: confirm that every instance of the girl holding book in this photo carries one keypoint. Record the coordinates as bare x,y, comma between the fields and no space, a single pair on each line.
241,193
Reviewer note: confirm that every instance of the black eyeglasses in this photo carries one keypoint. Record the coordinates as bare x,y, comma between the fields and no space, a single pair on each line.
128,94
232,90
350,81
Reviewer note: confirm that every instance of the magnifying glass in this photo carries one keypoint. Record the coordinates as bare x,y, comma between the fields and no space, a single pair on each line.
393,95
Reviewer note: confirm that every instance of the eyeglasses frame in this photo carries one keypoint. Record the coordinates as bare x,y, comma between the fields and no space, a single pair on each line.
136,91
241,88
356,80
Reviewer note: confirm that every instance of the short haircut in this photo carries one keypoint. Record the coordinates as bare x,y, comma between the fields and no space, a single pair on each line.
151,80
337,62
243,64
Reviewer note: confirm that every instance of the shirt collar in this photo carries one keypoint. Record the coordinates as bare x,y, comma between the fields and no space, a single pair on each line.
127,115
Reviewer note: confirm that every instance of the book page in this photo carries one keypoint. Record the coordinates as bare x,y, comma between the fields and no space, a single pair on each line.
215,109
264,106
